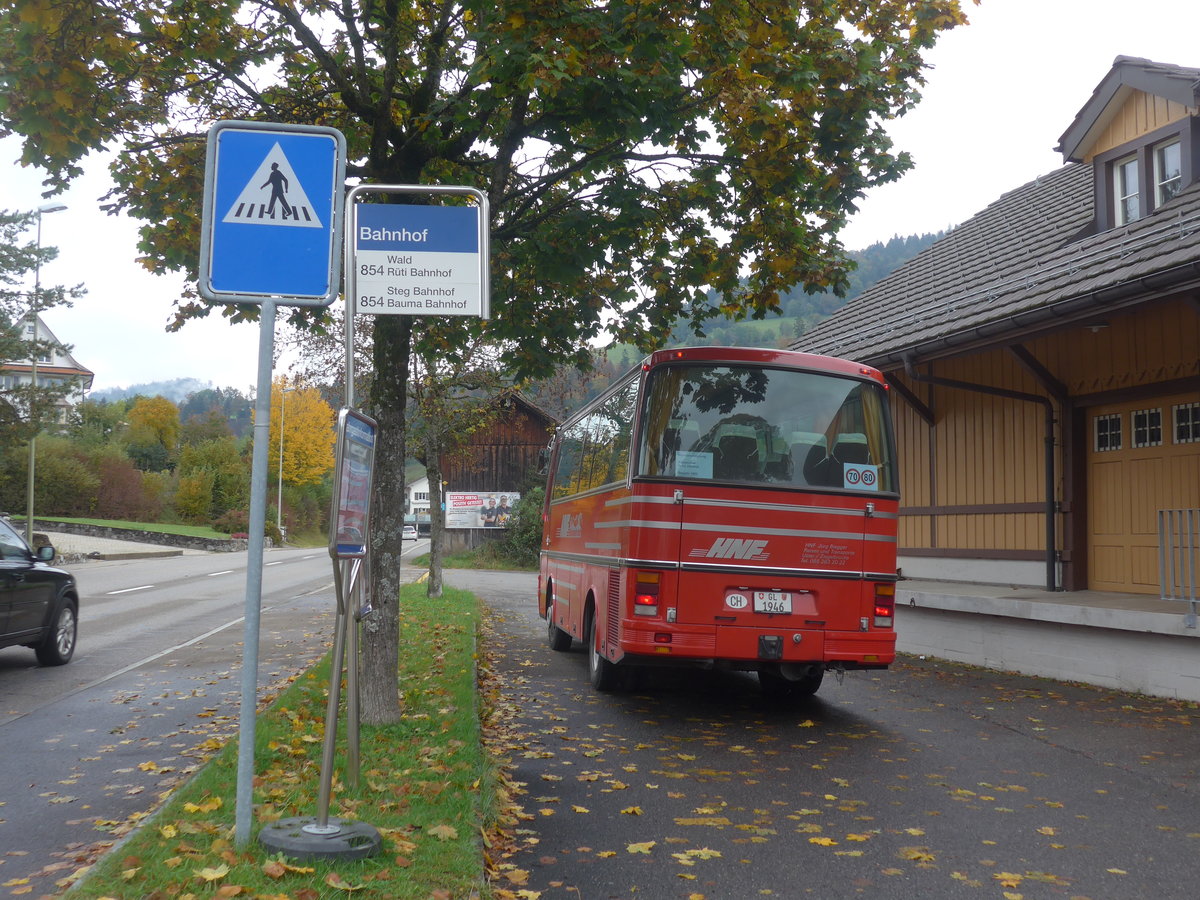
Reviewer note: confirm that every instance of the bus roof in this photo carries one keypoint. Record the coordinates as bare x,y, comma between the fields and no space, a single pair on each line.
788,358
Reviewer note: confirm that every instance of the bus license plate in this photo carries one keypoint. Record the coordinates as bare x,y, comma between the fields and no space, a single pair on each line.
773,602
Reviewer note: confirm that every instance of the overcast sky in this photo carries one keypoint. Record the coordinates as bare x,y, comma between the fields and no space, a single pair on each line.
1000,94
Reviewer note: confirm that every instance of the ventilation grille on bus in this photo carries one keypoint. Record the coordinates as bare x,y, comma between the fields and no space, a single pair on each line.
614,605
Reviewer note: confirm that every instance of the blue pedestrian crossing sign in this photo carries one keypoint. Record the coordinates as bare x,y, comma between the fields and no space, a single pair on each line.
273,202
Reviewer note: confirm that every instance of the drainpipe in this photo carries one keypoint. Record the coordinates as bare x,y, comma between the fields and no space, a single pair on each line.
911,370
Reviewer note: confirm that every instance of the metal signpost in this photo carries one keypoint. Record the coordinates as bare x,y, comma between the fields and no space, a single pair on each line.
273,205
350,514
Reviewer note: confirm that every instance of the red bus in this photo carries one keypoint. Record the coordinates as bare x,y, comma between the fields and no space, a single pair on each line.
725,507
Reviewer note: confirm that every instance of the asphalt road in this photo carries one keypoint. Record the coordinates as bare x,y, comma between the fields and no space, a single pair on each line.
89,748
928,780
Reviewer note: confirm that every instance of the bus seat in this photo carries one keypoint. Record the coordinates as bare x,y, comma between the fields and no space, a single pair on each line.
737,457
808,451
689,435
851,447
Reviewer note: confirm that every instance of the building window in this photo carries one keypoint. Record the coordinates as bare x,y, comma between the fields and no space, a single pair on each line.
1147,428
1108,433
1126,193
420,495
1168,171
1187,423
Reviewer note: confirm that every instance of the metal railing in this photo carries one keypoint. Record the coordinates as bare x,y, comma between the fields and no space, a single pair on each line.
1179,557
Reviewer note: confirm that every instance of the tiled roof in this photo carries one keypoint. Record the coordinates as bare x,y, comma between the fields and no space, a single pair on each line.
1018,265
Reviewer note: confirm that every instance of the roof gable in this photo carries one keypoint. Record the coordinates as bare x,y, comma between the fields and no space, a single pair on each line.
1175,84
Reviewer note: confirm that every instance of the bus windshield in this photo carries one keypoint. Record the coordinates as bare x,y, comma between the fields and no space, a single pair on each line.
757,425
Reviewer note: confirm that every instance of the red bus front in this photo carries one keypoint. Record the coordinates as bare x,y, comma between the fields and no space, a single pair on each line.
750,523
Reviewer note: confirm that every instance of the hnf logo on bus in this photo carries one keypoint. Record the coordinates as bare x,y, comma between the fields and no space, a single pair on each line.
733,548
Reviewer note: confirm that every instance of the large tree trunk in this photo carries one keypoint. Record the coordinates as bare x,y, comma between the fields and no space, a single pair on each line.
381,630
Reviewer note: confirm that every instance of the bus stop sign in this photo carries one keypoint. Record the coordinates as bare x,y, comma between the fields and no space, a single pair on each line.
273,202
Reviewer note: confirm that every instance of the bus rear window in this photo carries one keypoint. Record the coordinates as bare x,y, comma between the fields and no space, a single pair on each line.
746,424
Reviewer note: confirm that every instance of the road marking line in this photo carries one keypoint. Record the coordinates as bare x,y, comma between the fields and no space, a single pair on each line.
144,587
222,572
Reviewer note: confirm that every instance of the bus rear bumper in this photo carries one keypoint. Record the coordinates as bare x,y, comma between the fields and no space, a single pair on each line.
748,647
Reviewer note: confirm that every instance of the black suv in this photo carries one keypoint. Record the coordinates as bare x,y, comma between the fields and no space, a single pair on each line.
39,604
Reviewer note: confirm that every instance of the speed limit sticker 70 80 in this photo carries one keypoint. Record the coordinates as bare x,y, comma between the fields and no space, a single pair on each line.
860,477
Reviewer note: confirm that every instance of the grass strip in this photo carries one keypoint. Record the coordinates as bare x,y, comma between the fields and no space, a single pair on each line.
201,531
426,785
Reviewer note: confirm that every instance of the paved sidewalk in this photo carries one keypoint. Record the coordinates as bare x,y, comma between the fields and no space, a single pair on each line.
75,548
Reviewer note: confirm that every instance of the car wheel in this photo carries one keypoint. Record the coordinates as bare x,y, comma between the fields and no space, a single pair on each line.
558,639
603,674
59,645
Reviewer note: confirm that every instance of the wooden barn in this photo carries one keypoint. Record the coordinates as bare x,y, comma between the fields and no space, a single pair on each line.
503,458
1045,356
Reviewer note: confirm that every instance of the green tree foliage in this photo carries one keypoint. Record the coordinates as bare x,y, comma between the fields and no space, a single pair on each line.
635,154
193,497
99,423
216,466
20,258
522,541
201,411
153,433
65,484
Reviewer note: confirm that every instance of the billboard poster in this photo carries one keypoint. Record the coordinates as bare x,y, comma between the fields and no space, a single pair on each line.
352,485
479,509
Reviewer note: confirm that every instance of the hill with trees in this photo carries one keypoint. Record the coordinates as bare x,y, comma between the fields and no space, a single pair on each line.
568,388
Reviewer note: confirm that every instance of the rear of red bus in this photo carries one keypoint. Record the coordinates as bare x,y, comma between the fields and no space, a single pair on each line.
755,528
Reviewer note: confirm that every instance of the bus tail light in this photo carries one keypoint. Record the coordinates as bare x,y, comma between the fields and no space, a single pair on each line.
645,594
885,605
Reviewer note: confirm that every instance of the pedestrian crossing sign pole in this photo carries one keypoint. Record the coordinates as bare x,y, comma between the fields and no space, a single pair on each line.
273,201
272,235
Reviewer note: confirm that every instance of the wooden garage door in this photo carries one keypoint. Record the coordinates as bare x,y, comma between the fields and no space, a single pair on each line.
1143,456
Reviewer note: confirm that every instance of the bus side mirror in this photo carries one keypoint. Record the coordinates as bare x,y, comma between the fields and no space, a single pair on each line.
543,460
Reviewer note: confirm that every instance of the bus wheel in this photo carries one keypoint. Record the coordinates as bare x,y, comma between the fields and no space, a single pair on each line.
776,687
604,675
558,639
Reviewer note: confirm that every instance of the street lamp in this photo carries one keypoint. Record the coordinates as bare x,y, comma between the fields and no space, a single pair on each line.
33,319
283,392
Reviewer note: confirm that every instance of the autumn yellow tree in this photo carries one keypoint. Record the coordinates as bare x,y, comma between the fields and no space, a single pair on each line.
306,423
153,433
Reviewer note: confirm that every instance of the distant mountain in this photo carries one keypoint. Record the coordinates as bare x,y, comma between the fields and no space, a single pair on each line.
176,390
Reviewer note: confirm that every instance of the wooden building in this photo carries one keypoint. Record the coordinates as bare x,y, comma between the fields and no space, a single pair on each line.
1045,356
502,458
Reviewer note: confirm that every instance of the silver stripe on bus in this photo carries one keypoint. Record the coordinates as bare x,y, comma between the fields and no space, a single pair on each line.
738,504
578,570
813,510
731,569
771,572
591,546
725,527
610,561
559,583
